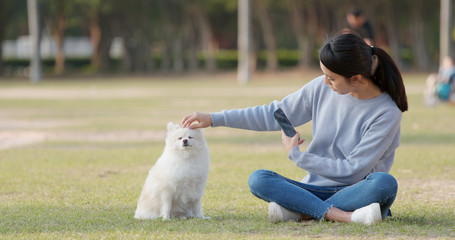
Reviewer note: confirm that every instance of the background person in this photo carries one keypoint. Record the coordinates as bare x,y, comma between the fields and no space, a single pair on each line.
358,23
356,109
441,86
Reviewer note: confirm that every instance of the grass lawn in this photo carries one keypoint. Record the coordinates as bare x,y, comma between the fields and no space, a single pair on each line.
74,155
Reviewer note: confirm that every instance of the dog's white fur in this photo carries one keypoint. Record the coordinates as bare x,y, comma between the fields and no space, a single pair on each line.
176,183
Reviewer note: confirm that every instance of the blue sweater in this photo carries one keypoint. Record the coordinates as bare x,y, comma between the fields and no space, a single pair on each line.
351,137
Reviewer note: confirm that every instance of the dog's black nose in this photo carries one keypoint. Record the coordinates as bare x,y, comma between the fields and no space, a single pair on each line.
185,141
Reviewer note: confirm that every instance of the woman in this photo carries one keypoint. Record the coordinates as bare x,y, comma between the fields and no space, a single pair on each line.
356,109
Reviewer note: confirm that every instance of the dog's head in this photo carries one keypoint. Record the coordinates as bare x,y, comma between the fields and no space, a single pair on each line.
184,138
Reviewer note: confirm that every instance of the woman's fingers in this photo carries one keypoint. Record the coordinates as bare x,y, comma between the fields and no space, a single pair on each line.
202,120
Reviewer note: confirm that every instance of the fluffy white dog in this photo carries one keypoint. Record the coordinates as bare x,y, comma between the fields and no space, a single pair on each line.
176,183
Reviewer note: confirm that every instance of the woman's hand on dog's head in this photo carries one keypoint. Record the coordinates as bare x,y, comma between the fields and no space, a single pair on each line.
197,120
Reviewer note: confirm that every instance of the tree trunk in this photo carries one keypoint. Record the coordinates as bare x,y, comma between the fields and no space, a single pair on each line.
311,33
297,24
303,29
141,54
206,39
165,58
95,39
178,65
417,33
268,34
59,39
130,44
33,22
146,61
193,58
106,37
167,36
392,33
191,37
445,27
244,66
6,8
1,49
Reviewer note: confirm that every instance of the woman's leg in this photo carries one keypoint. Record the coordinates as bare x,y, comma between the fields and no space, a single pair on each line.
377,187
309,200
292,195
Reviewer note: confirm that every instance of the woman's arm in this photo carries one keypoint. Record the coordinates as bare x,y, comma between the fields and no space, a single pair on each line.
297,106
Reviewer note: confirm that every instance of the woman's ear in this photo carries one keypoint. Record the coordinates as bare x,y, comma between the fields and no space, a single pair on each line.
357,79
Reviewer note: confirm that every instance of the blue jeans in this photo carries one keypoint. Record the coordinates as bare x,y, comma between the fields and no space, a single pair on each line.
314,201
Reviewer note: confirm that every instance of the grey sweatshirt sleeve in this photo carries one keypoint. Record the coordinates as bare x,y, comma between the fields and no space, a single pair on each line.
260,118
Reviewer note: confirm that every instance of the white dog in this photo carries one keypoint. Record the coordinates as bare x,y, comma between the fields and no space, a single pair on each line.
176,183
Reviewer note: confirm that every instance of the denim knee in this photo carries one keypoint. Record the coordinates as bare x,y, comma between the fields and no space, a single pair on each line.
383,182
256,181
382,178
256,176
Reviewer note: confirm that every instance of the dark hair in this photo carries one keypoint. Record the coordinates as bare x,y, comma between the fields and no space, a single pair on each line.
348,55
355,11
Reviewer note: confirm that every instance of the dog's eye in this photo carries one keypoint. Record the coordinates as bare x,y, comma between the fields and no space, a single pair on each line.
180,138
190,137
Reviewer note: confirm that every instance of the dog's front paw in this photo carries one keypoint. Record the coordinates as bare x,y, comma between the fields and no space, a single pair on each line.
205,218
166,218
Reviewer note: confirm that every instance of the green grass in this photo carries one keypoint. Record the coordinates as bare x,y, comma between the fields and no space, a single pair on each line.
99,137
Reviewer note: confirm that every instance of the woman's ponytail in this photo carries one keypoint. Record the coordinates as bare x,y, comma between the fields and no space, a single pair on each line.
388,78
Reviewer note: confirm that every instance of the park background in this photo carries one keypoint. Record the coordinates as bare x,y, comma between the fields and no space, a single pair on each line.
76,145
146,37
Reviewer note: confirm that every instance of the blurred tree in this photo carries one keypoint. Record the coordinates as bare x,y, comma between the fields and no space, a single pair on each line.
90,12
35,40
6,10
186,34
181,35
103,20
202,25
134,22
56,14
304,22
265,21
171,16
392,30
417,31
445,27
244,42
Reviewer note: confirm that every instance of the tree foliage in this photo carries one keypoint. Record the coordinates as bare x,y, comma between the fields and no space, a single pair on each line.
180,35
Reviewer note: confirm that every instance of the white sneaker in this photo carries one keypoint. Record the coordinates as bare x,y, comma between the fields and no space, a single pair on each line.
370,214
278,213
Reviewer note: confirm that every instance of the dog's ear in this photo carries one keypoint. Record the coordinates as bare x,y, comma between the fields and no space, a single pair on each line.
172,126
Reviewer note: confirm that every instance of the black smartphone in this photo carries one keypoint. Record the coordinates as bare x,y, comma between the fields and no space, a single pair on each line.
284,123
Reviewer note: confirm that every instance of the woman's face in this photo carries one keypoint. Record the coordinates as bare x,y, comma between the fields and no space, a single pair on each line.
335,81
